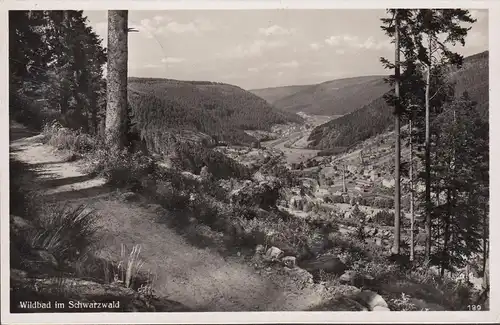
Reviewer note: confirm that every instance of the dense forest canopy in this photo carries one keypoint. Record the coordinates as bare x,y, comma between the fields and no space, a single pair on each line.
220,110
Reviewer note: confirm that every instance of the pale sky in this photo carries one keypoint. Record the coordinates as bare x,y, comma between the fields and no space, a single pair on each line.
263,48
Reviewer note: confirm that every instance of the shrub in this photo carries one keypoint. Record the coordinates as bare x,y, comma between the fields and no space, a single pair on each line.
24,203
65,232
384,217
170,197
338,199
66,139
122,169
383,203
28,112
193,157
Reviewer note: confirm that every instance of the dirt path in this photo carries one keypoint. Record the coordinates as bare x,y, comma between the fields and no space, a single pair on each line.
199,278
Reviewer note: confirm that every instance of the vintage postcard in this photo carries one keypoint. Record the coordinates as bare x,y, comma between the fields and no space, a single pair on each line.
248,162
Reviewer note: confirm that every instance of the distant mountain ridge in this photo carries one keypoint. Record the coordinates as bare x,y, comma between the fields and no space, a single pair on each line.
273,94
335,97
376,117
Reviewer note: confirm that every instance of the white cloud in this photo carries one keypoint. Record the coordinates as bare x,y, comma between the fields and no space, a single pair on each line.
158,18
197,26
372,44
256,48
333,40
276,30
172,60
178,28
339,51
151,66
315,46
290,64
346,41
253,69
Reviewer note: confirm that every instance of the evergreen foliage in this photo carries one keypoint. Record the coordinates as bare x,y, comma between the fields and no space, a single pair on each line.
56,68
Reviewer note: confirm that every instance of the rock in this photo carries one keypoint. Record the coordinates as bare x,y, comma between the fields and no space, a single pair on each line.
204,173
289,261
129,196
156,208
258,177
259,249
371,299
378,241
380,308
348,276
300,275
45,257
273,253
419,248
355,279
326,263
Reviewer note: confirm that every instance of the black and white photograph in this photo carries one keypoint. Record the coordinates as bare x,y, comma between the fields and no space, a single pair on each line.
268,160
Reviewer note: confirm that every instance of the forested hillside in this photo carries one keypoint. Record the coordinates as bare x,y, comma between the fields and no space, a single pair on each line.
376,116
336,97
220,110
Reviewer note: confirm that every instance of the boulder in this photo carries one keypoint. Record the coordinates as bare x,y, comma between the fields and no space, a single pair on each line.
326,263
129,196
258,177
204,173
355,279
273,253
371,299
289,261
259,249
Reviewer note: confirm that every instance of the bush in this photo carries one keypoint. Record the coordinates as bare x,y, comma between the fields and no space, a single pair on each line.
26,111
122,169
170,197
384,217
23,202
337,199
193,157
65,232
66,139
383,203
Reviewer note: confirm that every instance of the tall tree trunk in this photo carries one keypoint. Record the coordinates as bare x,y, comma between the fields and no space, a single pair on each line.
485,239
397,135
412,213
428,239
116,110
344,188
446,234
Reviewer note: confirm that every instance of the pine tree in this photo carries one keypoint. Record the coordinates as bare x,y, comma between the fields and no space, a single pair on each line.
457,162
433,24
